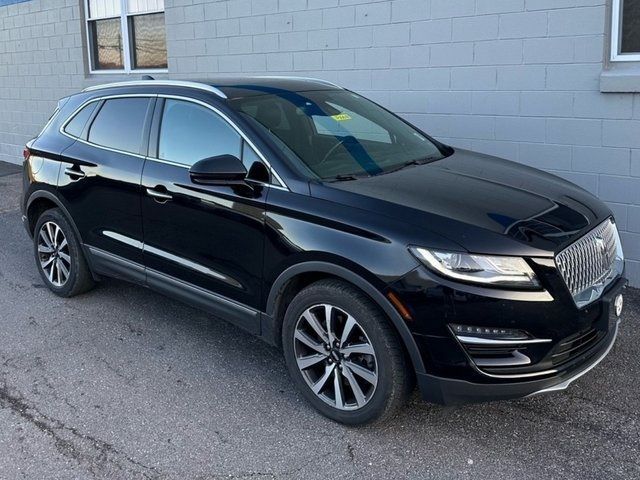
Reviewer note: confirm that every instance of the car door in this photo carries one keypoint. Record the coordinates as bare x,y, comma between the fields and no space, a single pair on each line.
203,243
100,179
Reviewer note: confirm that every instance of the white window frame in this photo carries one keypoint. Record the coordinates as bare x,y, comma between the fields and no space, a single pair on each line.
616,31
124,32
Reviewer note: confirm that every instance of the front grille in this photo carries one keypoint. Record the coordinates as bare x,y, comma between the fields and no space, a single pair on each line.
589,261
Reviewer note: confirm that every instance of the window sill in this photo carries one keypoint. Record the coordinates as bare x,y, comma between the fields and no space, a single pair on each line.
621,78
129,72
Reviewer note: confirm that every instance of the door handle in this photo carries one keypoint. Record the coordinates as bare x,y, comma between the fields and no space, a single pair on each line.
159,196
75,174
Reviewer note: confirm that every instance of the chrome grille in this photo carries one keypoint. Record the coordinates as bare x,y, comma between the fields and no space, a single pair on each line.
589,261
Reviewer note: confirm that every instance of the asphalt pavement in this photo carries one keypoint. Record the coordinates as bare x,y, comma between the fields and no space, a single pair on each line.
124,383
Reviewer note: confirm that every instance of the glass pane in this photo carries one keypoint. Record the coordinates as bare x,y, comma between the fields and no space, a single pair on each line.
106,44
148,41
190,133
336,132
76,126
359,126
630,38
119,124
104,8
142,6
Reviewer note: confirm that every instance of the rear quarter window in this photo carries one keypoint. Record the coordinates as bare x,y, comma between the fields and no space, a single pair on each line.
77,123
119,124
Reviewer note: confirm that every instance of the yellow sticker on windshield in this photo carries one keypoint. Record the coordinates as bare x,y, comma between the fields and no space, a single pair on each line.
341,117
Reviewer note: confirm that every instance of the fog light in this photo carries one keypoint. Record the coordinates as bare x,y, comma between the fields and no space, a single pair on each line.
618,303
471,335
488,332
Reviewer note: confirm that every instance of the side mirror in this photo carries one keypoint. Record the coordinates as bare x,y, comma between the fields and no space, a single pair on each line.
218,170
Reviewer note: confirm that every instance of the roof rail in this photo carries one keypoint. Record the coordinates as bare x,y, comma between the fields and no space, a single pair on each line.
291,77
174,83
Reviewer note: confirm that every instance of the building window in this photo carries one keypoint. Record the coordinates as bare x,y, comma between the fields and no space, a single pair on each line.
126,35
625,33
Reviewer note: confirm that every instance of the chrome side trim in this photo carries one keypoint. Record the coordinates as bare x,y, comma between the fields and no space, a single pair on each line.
193,266
132,242
109,149
164,83
470,340
563,385
173,258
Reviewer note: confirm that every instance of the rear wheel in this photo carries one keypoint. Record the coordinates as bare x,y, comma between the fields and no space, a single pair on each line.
59,257
344,355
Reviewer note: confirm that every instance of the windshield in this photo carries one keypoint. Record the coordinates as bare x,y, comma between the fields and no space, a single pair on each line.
338,134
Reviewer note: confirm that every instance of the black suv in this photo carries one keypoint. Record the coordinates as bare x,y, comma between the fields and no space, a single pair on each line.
372,254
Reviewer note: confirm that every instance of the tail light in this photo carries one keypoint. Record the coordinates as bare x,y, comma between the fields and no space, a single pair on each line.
26,153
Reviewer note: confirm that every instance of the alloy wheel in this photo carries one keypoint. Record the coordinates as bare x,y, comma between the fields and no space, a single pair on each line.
53,253
335,357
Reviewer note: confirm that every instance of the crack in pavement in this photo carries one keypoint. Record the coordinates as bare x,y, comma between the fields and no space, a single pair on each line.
97,456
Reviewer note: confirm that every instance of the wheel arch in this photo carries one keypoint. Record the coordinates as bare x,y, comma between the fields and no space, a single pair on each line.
298,276
42,200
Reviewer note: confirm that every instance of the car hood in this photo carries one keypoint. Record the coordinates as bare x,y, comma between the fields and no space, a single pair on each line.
484,204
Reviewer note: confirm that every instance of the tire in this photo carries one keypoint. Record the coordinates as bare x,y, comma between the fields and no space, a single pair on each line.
61,263
372,347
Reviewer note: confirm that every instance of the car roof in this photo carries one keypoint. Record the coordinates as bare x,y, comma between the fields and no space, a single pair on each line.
233,87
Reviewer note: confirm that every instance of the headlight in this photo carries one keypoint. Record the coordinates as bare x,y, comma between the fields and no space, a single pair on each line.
494,271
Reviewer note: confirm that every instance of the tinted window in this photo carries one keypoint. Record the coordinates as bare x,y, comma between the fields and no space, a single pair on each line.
337,133
119,124
76,125
359,126
191,132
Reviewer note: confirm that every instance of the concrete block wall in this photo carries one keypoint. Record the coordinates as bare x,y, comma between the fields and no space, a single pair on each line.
41,60
514,78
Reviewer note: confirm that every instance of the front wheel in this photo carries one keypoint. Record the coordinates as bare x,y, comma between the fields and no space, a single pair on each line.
343,354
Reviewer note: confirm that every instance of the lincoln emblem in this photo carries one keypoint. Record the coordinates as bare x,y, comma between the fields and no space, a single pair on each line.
602,248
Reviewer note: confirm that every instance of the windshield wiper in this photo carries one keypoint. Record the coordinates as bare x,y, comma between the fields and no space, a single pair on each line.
342,178
410,163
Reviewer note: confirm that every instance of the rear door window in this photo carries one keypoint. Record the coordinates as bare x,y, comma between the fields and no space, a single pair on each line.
119,124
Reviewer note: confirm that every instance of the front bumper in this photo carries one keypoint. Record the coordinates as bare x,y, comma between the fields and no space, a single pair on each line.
451,391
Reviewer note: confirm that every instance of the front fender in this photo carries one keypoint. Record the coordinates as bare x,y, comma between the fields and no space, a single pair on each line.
356,280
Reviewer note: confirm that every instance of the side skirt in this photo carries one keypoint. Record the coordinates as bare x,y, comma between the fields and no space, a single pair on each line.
107,264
